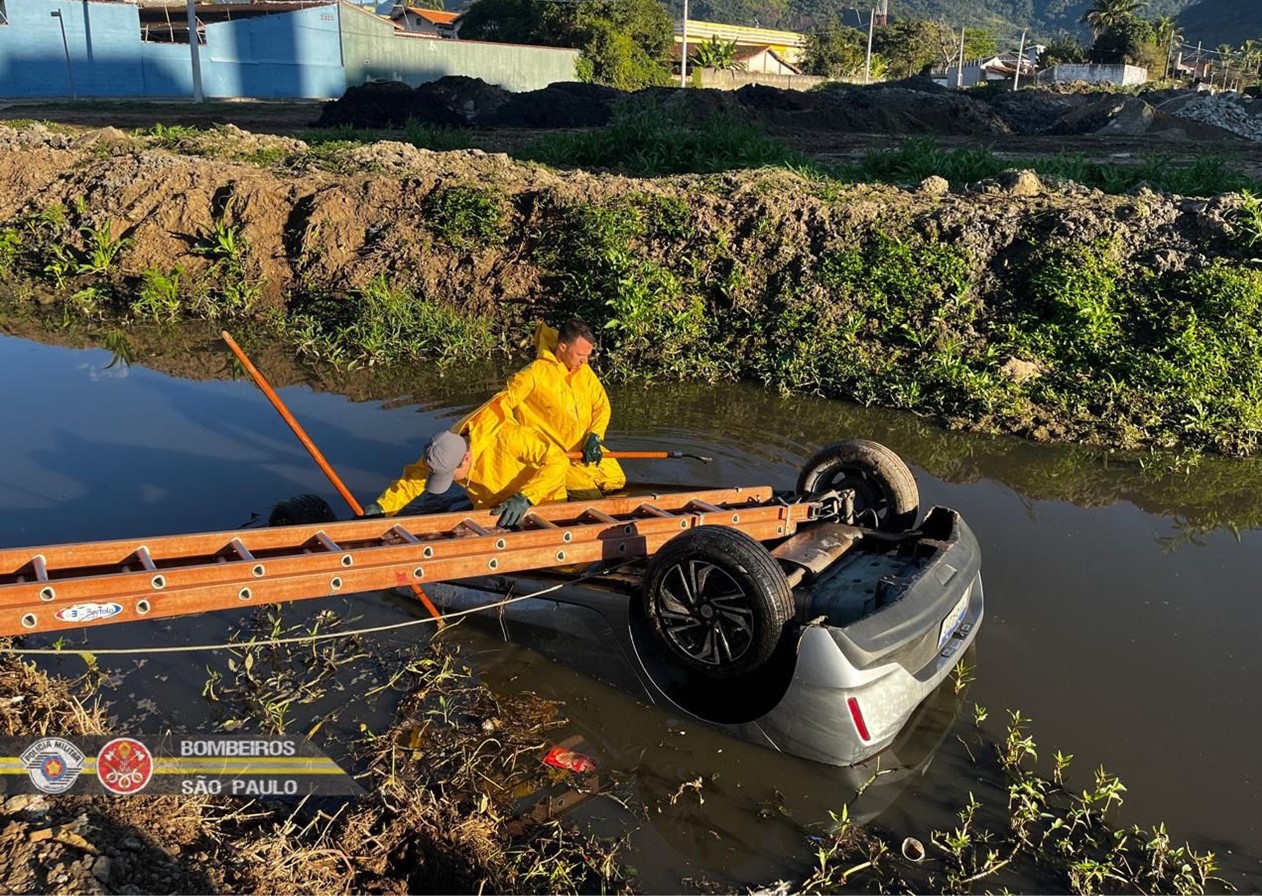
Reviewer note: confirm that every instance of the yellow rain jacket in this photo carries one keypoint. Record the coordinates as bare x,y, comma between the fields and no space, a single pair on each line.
565,406
507,458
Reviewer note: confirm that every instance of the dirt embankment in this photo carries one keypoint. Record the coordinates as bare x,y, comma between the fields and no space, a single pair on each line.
311,230
943,298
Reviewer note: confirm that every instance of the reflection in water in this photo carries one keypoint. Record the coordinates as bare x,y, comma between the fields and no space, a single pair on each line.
1121,652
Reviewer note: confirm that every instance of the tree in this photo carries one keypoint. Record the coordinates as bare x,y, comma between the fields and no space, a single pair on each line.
1130,41
1064,49
834,51
508,21
716,54
624,43
978,44
611,56
1106,14
909,45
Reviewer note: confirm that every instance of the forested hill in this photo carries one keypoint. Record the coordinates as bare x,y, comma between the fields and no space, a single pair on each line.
1044,18
1217,22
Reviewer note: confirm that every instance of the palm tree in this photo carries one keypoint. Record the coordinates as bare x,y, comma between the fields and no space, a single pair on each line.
1105,14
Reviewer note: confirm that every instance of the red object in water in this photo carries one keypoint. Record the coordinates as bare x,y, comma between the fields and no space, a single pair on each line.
559,757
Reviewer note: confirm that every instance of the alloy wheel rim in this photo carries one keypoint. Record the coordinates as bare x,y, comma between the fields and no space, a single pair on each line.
705,614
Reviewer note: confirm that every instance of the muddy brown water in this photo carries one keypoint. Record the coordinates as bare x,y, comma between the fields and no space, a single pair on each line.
1123,603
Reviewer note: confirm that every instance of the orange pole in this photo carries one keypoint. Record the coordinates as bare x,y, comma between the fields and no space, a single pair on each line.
315,452
624,455
642,455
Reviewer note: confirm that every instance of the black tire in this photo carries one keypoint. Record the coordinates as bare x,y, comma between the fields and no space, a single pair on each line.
301,510
881,482
717,600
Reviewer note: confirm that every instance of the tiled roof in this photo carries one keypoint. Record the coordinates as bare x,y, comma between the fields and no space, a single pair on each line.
437,16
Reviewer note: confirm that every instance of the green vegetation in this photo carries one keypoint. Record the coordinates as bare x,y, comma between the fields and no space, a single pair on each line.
387,324
648,139
234,291
466,217
1065,840
919,157
624,43
161,296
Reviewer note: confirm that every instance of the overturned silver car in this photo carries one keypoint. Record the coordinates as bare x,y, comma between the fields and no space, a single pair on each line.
821,644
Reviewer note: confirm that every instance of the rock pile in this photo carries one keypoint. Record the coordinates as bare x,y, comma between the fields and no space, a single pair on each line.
1242,115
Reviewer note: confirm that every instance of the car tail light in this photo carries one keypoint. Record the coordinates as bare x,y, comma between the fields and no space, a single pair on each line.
857,715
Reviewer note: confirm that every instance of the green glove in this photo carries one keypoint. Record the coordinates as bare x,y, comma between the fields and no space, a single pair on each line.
373,511
512,510
591,450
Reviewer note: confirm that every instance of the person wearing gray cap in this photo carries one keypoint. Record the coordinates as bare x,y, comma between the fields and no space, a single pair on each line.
492,462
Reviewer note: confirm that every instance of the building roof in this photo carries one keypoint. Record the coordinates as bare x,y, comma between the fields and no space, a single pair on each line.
435,16
699,30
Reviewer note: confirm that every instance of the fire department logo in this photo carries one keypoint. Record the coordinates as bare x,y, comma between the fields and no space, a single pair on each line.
53,764
124,766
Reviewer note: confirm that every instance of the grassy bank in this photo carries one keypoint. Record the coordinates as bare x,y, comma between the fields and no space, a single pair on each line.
1004,305
442,814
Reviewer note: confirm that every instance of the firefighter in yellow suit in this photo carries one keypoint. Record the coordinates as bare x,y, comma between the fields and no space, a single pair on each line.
488,460
559,396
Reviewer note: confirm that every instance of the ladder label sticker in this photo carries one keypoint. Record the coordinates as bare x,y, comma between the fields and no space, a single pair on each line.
89,612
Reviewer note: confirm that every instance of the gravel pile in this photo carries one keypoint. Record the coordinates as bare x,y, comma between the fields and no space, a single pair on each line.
1240,115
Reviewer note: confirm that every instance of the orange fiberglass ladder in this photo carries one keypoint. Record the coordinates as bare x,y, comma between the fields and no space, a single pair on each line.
95,583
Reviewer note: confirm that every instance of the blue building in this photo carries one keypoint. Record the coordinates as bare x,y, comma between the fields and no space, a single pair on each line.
107,48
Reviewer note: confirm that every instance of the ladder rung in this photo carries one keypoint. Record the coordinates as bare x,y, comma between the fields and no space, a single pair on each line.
652,511
40,568
142,554
598,515
242,551
541,522
706,506
403,535
327,543
475,528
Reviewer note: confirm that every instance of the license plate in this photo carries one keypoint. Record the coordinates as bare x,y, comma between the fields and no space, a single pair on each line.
953,620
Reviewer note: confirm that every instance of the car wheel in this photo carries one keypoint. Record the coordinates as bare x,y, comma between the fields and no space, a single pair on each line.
717,600
881,482
301,510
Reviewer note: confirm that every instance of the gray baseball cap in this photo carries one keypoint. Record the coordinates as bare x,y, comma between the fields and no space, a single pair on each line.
443,455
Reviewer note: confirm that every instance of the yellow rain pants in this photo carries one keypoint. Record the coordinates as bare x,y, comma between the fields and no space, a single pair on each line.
565,406
507,458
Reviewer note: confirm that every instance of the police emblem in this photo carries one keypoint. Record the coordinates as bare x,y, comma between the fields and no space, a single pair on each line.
124,766
53,764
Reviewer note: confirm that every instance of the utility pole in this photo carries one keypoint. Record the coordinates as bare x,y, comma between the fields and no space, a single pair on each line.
193,53
959,69
683,57
1170,52
1016,79
867,68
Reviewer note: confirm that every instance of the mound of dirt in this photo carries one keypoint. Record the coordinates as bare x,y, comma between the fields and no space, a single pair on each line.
565,104
471,97
1033,111
388,104
896,109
